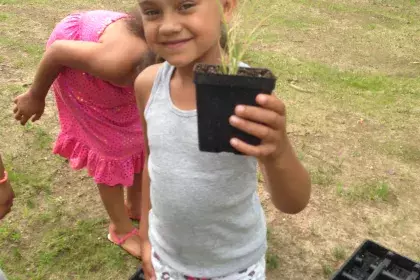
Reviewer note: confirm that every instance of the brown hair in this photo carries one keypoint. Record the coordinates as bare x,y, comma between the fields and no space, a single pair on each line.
135,24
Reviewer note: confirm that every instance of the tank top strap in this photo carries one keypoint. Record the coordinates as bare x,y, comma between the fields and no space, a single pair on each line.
160,89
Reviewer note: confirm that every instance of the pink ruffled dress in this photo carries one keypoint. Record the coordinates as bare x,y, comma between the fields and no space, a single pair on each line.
100,123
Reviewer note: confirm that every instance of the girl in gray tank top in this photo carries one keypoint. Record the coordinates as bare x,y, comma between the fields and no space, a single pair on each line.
205,219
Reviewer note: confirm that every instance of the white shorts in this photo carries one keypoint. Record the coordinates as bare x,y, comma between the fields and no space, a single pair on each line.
165,272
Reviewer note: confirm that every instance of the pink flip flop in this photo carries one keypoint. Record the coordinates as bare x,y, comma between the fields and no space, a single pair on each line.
112,236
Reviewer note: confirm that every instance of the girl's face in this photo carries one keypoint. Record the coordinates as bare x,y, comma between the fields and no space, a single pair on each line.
185,31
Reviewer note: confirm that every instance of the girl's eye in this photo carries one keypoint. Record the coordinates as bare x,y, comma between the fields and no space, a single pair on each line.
186,6
151,13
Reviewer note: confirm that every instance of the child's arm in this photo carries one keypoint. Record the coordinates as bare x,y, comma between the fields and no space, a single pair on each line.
287,181
6,192
286,178
143,86
115,59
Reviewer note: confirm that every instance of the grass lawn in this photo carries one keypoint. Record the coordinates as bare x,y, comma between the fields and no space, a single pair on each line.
349,73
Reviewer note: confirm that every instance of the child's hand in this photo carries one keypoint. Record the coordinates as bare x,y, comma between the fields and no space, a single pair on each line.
267,123
285,177
27,107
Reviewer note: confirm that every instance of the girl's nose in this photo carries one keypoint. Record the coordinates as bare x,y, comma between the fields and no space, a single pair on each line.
170,25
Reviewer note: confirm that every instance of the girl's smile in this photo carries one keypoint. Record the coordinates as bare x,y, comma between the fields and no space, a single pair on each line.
175,44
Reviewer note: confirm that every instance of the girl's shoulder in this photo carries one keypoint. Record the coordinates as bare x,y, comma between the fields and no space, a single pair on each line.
145,81
149,74
146,78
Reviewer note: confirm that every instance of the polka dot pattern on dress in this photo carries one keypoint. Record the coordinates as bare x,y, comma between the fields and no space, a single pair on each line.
100,123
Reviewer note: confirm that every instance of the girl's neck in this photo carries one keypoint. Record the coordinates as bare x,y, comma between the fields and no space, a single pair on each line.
186,73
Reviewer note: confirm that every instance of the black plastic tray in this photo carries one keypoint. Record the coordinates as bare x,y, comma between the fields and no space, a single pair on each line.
372,261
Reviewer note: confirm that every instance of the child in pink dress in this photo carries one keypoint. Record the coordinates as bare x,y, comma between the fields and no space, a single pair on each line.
91,61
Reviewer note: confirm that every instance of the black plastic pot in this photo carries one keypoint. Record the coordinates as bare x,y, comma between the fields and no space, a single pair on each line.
372,261
217,96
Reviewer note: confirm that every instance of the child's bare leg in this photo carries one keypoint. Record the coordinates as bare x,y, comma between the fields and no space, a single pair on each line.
134,196
113,199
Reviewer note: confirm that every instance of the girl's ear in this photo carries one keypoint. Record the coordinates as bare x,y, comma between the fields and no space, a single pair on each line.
228,8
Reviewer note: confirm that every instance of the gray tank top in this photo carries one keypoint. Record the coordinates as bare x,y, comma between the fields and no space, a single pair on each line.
206,218
2,276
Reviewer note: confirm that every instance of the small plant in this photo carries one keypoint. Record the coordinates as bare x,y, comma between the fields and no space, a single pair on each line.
238,40
339,253
219,88
380,192
271,261
340,189
9,234
28,126
327,270
15,236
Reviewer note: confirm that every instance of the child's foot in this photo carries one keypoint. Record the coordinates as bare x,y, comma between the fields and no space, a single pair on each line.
133,211
129,241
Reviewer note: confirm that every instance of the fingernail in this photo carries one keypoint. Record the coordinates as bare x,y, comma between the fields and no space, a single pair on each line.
262,97
240,108
234,119
233,141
